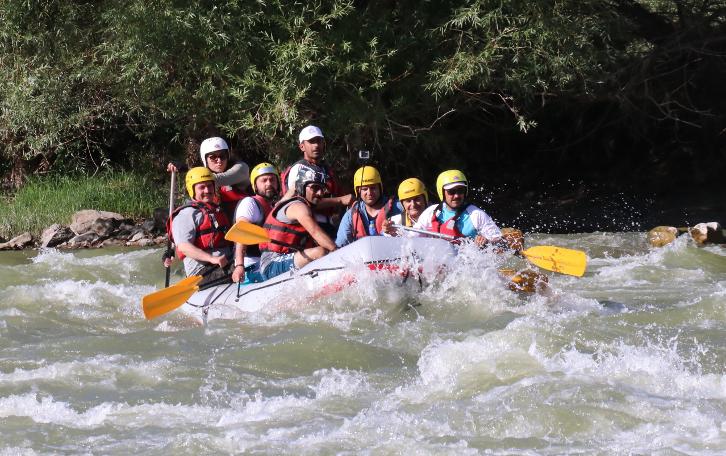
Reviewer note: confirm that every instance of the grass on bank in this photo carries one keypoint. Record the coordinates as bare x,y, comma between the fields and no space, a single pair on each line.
44,201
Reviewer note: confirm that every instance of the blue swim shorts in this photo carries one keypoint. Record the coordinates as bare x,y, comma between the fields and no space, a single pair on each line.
280,264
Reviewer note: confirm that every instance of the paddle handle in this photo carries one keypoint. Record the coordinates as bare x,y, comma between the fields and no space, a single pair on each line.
167,278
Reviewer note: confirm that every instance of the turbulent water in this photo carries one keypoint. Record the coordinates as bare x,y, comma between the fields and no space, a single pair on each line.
630,359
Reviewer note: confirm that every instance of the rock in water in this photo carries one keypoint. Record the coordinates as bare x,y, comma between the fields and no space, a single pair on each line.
707,233
662,235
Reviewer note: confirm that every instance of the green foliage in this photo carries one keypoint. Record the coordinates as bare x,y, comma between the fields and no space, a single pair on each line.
93,85
45,201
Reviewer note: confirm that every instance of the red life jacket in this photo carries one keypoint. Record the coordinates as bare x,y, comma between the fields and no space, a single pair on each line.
263,205
287,237
360,227
330,180
210,232
230,195
449,226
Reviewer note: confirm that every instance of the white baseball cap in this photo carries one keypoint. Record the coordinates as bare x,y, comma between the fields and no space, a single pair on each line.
210,145
451,185
309,132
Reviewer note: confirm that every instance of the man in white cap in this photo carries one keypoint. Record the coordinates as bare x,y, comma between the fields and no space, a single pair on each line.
312,144
454,216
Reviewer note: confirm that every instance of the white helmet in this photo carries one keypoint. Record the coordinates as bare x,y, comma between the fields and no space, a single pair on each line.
210,145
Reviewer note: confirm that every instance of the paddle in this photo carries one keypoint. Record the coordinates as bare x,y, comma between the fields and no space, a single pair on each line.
168,299
171,210
247,233
556,259
160,302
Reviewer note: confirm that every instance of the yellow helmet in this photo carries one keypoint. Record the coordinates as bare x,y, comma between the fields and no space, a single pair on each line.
197,175
412,187
259,170
366,175
452,176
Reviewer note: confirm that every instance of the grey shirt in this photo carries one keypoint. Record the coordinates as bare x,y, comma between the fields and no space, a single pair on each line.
237,174
267,257
183,229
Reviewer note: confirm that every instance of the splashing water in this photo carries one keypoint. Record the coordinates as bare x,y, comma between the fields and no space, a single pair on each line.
628,359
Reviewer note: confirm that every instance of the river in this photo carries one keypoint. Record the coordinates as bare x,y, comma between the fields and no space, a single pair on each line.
629,359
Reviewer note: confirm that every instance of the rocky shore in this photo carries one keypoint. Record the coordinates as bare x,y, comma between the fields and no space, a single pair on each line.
93,229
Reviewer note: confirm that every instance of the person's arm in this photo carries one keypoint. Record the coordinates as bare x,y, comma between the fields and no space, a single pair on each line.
184,231
487,230
335,201
195,253
301,212
237,174
345,229
424,220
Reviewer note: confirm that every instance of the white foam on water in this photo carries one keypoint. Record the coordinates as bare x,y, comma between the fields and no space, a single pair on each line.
46,410
653,369
101,369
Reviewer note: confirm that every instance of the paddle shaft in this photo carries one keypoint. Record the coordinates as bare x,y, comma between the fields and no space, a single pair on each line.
171,210
427,233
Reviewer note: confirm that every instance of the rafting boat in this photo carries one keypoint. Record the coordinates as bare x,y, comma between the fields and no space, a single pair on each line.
366,260
388,258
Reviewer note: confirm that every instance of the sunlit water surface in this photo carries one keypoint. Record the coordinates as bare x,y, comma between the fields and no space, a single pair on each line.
629,359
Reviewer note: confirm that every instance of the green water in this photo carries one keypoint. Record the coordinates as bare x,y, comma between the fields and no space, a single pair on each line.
626,360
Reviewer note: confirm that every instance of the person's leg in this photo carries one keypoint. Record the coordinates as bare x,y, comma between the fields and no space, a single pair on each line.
306,256
280,264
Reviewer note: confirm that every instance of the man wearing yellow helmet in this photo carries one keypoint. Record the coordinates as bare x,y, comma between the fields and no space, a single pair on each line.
198,228
255,209
368,215
414,199
454,216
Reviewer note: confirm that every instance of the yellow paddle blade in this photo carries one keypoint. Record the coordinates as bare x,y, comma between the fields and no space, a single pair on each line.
247,233
558,259
160,302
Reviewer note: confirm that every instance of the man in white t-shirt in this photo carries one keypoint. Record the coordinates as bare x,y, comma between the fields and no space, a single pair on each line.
454,216
254,209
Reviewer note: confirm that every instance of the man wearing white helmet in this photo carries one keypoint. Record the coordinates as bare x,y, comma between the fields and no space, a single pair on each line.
233,178
255,209
312,144
454,216
296,239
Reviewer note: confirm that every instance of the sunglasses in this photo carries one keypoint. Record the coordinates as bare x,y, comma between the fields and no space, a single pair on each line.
315,188
456,191
217,157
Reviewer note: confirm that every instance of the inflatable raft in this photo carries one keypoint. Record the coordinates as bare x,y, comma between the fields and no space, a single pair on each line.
408,260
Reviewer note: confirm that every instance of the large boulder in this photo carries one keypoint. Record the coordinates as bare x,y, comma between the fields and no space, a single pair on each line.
83,221
55,235
18,242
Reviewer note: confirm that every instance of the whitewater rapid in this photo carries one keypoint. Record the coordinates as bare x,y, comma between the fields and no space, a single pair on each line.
628,359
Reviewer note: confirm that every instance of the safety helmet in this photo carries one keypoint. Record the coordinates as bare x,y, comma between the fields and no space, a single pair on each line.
366,175
308,175
197,175
412,187
259,170
210,145
450,179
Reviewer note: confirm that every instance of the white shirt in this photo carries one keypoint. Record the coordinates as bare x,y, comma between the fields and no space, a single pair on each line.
480,220
249,211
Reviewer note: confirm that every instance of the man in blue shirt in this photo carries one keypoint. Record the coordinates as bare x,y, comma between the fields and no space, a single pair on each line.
366,216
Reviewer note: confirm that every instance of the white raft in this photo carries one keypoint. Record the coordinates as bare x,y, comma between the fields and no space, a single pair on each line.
416,259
